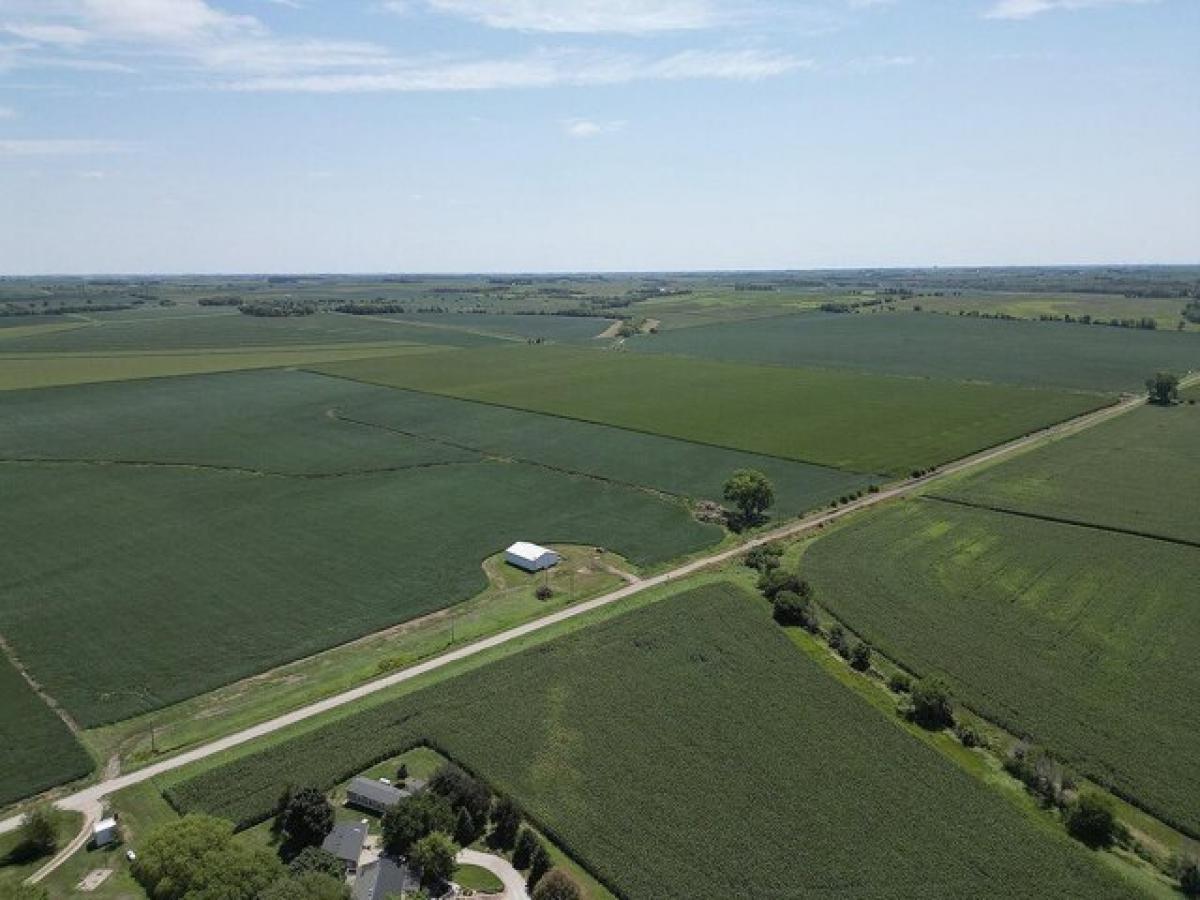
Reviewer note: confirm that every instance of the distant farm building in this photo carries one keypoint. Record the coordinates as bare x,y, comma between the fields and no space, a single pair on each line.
346,843
374,796
531,557
105,833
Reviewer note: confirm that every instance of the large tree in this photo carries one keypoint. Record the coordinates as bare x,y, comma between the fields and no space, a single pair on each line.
308,886
1163,388
557,885
38,834
463,791
751,492
433,855
506,820
306,820
197,856
413,818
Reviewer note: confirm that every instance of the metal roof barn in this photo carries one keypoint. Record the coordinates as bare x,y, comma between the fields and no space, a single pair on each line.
531,557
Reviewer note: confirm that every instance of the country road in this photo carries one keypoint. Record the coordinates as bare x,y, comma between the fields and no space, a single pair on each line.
88,799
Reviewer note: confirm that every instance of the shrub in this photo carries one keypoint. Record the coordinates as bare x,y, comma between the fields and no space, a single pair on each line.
527,841
544,592
968,736
900,683
860,656
539,865
773,581
838,641
932,704
557,885
316,860
764,557
1039,772
792,609
1090,819
1188,870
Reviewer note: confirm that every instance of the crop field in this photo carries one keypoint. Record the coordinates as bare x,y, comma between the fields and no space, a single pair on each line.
1137,472
636,742
1043,354
1083,639
232,330
1165,311
814,416
547,327
20,371
39,750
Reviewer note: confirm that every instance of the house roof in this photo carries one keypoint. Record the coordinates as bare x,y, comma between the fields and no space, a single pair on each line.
104,825
384,878
375,791
526,550
346,842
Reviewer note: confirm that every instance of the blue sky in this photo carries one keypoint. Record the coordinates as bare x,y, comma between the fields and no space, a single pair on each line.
532,135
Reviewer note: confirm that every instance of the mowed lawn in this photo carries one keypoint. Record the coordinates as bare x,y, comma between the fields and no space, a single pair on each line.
687,749
1047,354
1083,639
861,423
1138,472
39,750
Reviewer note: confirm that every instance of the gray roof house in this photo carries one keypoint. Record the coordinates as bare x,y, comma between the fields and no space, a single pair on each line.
346,843
384,878
379,796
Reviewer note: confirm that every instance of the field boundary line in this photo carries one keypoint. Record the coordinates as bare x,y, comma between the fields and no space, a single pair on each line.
15,661
86,798
237,470
1062,520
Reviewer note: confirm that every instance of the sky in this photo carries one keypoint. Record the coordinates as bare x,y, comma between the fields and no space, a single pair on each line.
211,136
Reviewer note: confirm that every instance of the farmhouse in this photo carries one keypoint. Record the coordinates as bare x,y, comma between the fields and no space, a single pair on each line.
105,832
383,878
374,796
531,557
346,843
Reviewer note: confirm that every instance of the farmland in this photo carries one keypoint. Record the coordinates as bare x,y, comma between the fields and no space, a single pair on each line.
1135,473
658,703
813,416
1048,354
1080,638
39,750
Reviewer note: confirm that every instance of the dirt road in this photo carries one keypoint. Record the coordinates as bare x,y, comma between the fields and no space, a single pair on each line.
87,799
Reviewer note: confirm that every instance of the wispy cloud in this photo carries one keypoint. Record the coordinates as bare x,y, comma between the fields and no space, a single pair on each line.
7,112
874,63
1027,9
62,147
581,129
64,35
590,16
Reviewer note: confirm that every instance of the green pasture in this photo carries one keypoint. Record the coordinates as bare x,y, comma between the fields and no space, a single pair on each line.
1165,311
39,750
1137,472
858,422
545,327
179,580
1084,640
1042,354
634,745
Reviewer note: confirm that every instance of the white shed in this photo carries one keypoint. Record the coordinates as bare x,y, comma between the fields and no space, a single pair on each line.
531,557
105,832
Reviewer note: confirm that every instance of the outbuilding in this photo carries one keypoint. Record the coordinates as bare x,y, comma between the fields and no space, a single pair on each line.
105,833
374,796
531,557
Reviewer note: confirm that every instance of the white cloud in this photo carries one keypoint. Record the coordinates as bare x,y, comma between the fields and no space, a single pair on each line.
590,128
163,20
65,35
874,63
589,16
61,147
1027,9
543,69
7,112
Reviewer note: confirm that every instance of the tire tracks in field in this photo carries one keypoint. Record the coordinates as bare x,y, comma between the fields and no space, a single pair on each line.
11,655
230,469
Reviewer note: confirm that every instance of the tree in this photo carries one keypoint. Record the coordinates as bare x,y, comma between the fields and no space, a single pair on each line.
306,820
465,830
557,885
838,642
763,557
506,820
527,841
1163,388
433,855
932,705
539,865
751,492
774,581
1090,819
38,834
463,791
1189,876
316,860
860,656
413,818
402,773
792,609
309,886
197,857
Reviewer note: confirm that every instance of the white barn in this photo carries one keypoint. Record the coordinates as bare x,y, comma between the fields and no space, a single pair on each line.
531,557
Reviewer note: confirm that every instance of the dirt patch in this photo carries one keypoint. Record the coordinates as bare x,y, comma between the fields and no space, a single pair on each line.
93,880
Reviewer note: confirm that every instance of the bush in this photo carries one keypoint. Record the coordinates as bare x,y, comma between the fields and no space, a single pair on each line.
318,861
792,609
773,581
557,885
838,641
1039,772
900,683
544,592
1091,820
763,557
1188,870
932,705
860,657
968,736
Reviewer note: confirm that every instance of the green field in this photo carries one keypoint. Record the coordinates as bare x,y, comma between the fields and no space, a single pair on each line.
636,743
1138,472
1081,638
546,327
814,416
39,750
1050,354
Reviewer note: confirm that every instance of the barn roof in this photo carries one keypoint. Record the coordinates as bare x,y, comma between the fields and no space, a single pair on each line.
376,791
526,550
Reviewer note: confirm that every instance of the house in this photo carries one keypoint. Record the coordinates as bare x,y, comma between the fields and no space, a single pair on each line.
105,833
531,557
384,878
346,843
374,796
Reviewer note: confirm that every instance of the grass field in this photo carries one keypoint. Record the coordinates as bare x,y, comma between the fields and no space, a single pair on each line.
38,370
700,703
1047,354
814,416
39,750
1083,639
227,573
550,328
1137,472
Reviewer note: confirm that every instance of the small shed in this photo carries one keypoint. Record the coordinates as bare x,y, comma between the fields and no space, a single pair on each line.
346,843
531,557
105,833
